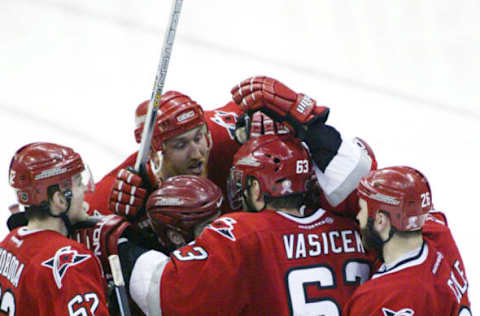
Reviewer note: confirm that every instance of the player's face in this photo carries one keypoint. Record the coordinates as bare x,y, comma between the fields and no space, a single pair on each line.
250,198
187,153
81,183
362,215
370,237
77,212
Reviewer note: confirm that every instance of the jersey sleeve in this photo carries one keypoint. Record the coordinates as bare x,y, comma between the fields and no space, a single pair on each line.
203,275
192,280
341,175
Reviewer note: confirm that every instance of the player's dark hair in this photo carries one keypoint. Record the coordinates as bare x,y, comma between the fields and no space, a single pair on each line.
292,201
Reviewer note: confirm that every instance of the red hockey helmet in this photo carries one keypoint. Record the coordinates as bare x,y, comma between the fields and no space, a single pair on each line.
279,162
37,166
177,113
402,192
181,203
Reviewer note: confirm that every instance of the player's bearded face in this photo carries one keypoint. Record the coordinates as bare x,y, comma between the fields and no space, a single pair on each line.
370,237
187,153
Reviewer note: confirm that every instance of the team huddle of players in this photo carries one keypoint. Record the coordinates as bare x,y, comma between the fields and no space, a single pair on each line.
255,208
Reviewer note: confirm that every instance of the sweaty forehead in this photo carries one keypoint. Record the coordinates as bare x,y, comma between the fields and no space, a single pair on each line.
190,134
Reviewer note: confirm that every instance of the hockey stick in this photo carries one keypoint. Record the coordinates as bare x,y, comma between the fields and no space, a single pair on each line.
154,103
119,285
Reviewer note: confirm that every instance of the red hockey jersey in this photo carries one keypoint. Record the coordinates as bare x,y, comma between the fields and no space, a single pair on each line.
220,123
266,263
421,283
44,273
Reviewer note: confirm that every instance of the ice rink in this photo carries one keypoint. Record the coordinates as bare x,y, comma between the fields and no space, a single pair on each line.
402,75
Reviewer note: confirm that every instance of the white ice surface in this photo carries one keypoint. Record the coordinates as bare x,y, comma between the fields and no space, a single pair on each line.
401,75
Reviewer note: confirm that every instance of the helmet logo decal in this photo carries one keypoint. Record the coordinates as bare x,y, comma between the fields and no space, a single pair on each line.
63,259
402,312
385,198
50,173
12,176
412,222
23,196
220,201
286,187
416,222
185,116
248,161
168,201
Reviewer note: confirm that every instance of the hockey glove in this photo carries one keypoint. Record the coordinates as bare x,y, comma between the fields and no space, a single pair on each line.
128,196
256,125
279,102
102,238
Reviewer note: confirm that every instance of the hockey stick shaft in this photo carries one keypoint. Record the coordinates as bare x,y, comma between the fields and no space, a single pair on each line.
119,284
154,103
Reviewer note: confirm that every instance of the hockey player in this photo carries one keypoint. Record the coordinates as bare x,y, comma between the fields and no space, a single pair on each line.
186,140
422,274
192,143
270,261
43,271
181,208
339,163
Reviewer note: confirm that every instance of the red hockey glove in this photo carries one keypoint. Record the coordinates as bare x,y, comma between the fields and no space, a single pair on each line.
278,101
127,196
102,237
256,125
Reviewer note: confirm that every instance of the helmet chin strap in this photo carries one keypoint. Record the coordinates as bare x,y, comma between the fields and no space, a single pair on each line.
63,216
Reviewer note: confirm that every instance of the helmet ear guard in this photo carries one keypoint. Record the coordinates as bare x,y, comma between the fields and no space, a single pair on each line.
401,192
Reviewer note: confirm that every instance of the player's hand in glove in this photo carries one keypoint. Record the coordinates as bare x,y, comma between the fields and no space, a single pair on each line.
248,126
101,235
279,102
127,196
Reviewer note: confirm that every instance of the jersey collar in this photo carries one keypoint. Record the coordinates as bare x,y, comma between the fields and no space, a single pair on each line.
410,259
